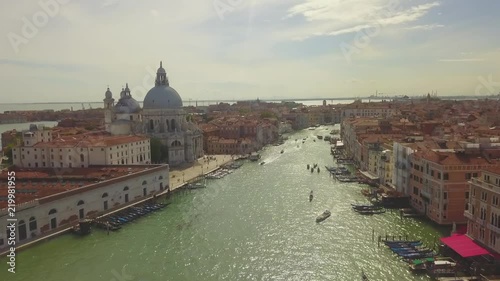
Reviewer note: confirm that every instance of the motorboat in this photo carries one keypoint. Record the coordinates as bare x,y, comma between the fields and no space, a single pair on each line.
363,276
282,151
254,157
263,162
326,214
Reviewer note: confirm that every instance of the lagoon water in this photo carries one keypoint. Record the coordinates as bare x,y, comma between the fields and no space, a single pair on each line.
254,224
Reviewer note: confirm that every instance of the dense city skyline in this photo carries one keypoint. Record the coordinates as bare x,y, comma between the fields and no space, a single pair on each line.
67,50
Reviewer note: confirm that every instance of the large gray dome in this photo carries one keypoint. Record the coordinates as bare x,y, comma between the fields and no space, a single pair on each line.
161,97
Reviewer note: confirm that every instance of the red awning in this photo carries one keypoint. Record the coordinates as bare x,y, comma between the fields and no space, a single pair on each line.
464,246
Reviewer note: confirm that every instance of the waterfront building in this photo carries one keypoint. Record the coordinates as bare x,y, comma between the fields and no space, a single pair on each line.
401,170
483,212
161,117
439,180
49,200
360,109
42,148
216,145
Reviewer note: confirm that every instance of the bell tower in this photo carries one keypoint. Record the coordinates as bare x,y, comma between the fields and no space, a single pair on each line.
109,103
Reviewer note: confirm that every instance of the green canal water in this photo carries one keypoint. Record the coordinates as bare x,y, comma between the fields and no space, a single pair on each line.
254,224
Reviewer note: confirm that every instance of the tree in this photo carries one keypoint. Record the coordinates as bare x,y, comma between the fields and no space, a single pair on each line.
267,114
159,151
155,150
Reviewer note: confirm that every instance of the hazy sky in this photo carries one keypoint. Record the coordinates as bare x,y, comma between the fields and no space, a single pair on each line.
243,49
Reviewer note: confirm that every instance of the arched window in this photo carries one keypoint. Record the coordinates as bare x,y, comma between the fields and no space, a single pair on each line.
104,195
176,143
144,182
22,230
32,224
53,211
151,124
80,203
82,158
160,177
172,124
125,188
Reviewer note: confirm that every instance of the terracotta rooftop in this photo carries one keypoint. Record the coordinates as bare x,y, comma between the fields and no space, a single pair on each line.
451,158
493,169
86,140
38,183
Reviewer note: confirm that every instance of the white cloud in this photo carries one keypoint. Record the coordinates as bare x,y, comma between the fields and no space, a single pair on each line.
332,18
425,27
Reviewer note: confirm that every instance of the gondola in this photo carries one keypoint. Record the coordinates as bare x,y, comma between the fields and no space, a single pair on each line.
311,196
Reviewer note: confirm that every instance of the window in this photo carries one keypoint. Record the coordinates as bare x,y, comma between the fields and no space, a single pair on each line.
467,195
468,176
432,173
445,195
415,190
439,176
446,176
484,196
495,200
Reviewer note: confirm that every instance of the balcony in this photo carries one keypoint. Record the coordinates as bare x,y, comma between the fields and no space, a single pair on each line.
425,194
468,215
485,185
493,228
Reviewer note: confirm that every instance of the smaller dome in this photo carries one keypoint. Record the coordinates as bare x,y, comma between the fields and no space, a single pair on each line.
127,105
108,94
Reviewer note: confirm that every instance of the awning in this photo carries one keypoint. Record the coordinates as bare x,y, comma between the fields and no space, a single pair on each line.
464,246
369,175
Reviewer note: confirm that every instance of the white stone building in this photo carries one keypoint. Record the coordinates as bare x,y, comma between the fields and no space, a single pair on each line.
41,149
59,200
162,117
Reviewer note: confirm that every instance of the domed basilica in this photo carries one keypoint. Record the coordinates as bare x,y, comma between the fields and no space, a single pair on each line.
161,117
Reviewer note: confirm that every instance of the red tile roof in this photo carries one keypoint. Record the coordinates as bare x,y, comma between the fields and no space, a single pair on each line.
34,184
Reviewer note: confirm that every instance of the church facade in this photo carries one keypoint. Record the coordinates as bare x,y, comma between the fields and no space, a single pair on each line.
161,117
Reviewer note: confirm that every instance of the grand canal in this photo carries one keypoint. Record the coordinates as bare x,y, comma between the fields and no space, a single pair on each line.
255,224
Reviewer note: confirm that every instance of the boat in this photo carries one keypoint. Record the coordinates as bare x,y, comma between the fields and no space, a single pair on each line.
282,151
320,137
363,276
326,214
262,163
366,208
370,212
195,185
330,168
254,157
311,196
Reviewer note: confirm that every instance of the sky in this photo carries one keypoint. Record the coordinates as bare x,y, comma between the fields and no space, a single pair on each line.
72,50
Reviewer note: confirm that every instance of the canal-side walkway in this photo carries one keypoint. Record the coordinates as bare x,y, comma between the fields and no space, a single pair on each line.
178,177
183,175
